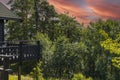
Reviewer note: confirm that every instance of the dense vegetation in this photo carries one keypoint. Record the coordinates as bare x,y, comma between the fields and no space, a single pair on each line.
70,51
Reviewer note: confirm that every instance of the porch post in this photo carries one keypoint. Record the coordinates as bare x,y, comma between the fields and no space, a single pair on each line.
1,30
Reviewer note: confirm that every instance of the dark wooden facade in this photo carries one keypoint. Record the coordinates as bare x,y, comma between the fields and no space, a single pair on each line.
1,30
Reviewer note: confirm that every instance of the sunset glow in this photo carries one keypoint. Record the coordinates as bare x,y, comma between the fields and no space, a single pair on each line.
89,10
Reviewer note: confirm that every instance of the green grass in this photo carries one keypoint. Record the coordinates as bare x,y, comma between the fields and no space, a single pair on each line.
14,77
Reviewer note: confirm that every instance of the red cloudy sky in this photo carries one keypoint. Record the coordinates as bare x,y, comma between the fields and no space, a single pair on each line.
87,10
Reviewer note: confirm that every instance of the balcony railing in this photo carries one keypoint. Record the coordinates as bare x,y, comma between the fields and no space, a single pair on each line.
17,52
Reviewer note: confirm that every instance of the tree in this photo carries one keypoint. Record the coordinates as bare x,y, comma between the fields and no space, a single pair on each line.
98,58
26,11
20,30
70,27
43,14
114,47
66,59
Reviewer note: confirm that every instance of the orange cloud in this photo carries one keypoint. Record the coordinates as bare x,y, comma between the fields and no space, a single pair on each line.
88,10
107,9
80,13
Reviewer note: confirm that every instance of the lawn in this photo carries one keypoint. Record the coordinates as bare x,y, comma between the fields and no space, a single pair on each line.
15,77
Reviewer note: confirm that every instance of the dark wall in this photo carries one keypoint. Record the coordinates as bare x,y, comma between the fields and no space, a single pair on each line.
1,30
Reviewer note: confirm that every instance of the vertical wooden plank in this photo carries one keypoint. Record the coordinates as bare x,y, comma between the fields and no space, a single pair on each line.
5,71
1,30
38,50
20,60
6,66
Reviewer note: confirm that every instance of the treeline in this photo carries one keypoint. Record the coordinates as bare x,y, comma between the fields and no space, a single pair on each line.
70,51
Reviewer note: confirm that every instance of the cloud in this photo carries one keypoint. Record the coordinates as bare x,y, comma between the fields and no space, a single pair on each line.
89,10
107,9
80,11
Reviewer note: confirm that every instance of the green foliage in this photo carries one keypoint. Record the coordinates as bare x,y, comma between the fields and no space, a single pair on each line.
52,79
99,57
116,62
37,73
20,30
66,59
48,46
45,12
111,27
80,76
25,10
113,47
69,27
74,54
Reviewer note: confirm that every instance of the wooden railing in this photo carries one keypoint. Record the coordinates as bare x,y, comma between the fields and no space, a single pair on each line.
19,51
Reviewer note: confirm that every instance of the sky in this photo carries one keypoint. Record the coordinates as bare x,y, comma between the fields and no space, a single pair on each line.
86,11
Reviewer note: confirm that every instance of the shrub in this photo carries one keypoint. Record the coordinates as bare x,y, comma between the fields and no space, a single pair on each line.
80,76
37,72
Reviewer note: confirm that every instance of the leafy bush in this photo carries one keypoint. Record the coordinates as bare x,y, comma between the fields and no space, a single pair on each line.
52,79
80,76
47,46
37,72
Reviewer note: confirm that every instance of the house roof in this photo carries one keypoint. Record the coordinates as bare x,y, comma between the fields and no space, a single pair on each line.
6,14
